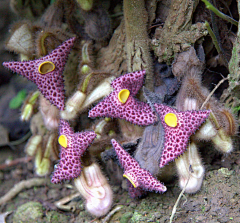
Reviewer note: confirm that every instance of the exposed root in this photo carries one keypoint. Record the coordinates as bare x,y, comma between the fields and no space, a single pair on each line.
61,203
15,162
25,184
111,213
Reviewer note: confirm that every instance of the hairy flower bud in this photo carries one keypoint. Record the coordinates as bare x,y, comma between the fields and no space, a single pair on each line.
73,105
94,187
222,142
190,170
103,89
50,114
206,132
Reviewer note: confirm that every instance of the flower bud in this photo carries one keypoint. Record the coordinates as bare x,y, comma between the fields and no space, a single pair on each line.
94,187
103,89
21,40
42,161
222,142
29,106
50,114
190,104
85,5
190,170
27,112
32,145
73,105
43,167
206,131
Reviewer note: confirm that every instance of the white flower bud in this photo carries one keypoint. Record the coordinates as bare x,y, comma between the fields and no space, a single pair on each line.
102,90
93,186
190,169
206,131
50,114
222,142
73,105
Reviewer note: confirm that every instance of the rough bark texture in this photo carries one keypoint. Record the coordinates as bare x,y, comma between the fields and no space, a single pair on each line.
178,32
137,41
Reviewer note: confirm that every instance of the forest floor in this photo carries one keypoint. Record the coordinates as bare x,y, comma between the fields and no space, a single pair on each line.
217,201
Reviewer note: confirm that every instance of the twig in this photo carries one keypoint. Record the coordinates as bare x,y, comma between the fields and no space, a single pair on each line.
17,142
61,203
15,162
25,184
111,213
220,14
212,92
216,43
176,204
23,139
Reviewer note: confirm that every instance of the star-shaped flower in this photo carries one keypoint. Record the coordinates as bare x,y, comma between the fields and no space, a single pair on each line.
140,178
122,104
46,72
178,127
73,146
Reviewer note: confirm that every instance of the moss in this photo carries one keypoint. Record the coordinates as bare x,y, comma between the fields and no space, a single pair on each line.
29,212
225,172
55,217
126,217
136,217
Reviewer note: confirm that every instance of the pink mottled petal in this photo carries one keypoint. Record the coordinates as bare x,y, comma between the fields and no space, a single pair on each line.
50,84
69,166
176,138
141,178
134,111
131,81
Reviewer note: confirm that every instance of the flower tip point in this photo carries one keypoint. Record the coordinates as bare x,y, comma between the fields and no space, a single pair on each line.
164,189
113,141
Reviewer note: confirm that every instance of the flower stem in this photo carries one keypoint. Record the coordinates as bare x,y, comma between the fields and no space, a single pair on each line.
220,14
137,40
215,42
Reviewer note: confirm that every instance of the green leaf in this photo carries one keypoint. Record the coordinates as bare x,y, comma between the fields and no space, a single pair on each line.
17,101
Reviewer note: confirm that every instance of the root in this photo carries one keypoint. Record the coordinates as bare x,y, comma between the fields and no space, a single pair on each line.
15,162
25,184
61,203
111,213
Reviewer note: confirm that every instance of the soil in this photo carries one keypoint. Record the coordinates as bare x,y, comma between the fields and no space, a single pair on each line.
217,201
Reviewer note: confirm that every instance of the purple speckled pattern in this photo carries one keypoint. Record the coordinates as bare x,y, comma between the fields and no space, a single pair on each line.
135,192
131,81
134,111
69,166
50,84
176,138
142,179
